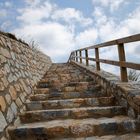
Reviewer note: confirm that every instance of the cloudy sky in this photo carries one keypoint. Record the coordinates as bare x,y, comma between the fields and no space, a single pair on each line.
60,26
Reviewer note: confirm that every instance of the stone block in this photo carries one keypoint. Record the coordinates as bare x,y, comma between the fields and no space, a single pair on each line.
3,122
2,59
18,102
13,92
2,103
82,130
10,115
5,52
13,55
7,68
14,109
1,86
17,87
1,72
22,97
131,113
5,81
8,99
10,78
69,89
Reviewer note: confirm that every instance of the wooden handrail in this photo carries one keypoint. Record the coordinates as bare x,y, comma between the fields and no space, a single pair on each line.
121,53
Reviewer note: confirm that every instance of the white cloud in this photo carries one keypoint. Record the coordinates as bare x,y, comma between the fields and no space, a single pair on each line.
71,15
109,29
111,4
54,39
38,10
99,15
8,4
42,23
86,38
31,15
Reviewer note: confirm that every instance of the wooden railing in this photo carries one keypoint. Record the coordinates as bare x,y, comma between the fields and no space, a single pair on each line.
77,55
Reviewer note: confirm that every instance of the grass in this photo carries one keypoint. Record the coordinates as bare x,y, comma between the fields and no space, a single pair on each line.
34,46
12,36
133,75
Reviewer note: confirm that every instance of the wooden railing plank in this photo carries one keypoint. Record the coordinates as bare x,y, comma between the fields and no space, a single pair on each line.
128,39
116,63
121,51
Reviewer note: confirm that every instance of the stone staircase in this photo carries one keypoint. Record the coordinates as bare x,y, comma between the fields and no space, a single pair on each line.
68,105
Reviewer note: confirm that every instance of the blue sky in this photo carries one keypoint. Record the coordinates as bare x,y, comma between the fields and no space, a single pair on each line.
60,26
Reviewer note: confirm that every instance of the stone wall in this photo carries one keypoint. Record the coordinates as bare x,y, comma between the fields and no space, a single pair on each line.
20,69
127,94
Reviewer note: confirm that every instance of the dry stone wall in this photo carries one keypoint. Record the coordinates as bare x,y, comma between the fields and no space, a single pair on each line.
127,94
20,69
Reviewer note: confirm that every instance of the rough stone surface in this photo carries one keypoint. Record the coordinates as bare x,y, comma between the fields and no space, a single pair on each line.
18,102
2,104
1,86
8,99
69,105
21,67
14,109
125,93
5,81
2,59
131,112
13,92
7,68
3,122
10,78
10,115
5,52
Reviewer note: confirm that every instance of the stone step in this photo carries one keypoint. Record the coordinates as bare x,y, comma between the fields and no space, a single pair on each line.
49,83
83,83
43,84
81,87
69,103
74,128
78,88
131,136
66,95
68,76
42,91
71,113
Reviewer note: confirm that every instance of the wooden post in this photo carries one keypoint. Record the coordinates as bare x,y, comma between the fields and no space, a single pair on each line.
76,56
86,54
97,58
80,54
72,57
123,70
